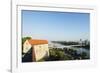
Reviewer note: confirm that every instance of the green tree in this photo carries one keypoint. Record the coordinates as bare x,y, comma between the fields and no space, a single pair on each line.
25,38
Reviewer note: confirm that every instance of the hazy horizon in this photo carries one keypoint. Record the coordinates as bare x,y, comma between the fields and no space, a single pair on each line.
66,26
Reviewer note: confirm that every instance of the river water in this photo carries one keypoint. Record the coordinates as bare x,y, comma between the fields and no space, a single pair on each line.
81,50
78,49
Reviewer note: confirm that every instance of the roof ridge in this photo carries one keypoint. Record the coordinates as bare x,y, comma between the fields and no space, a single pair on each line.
37,41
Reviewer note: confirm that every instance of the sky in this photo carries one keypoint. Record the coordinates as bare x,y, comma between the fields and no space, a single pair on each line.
50,25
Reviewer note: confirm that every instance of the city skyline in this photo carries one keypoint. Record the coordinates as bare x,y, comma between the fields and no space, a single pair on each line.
52,25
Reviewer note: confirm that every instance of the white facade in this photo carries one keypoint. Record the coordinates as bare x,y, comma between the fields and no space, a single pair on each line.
26,46
41,51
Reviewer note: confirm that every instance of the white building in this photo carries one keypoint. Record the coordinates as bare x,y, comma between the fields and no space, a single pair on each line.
39,48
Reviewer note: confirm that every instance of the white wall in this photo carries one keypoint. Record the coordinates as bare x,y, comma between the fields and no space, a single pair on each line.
41,51
26,46
5,34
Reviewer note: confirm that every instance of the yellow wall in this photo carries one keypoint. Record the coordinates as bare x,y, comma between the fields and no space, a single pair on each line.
41,51
26,46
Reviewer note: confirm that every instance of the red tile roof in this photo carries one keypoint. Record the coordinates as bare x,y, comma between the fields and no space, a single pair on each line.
37,42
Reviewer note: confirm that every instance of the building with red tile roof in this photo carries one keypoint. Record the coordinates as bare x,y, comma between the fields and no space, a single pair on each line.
39,48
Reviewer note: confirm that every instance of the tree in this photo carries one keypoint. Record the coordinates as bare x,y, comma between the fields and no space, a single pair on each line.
84,55
25,38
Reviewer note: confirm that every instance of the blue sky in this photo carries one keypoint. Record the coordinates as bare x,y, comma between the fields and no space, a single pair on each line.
66,26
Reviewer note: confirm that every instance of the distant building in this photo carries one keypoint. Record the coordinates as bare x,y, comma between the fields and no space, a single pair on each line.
81,42
39,48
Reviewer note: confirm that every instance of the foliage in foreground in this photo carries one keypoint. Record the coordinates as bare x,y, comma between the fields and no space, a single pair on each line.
65,54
